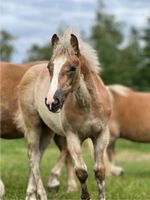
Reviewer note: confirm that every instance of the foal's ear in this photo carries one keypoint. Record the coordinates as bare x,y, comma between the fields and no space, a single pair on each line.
54,40
74,43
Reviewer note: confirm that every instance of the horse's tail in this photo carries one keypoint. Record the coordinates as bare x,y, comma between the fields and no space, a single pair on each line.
106,159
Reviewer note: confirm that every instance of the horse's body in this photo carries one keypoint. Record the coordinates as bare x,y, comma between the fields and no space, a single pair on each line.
80,107
130,118
11,75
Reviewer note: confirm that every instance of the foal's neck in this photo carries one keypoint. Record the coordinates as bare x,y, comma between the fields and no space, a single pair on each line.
88,92
82,94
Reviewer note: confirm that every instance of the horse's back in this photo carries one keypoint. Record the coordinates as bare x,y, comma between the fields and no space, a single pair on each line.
132,115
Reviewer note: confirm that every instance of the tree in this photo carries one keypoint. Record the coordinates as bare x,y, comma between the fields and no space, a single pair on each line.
144,70
107,36
119,63
130,59
37,53
6,46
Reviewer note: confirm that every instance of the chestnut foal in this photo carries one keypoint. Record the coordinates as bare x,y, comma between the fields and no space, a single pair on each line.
78,106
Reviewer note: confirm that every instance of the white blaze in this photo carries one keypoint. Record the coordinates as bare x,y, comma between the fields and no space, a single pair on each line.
54,82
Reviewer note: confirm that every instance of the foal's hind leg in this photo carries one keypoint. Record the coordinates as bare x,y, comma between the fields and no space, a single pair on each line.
53,182
74,146
100,145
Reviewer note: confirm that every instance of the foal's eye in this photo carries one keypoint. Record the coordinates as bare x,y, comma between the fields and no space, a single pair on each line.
72,68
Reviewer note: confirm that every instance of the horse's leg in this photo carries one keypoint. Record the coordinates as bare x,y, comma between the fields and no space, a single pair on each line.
72,185
111,153
31,188
37,142
53,182
100,145
74,147
35,182
44,141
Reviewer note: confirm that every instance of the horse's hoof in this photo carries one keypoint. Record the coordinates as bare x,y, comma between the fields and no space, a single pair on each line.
71,189
72,186
31,196
120,173
84,197
53,188
117,171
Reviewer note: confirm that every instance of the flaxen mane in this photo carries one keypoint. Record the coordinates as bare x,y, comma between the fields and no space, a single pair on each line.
86,50
119,89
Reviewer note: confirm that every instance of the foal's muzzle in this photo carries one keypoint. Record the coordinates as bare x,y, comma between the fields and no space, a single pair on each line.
59,99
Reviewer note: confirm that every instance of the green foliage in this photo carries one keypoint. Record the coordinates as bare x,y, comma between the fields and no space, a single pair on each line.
144,70
6,46
119,64
39,53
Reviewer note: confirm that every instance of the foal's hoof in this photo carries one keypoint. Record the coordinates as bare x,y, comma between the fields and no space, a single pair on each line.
72,186
117,171
85,197
31,196
53,188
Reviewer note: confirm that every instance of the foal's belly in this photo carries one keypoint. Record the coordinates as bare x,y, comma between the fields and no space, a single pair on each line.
88,128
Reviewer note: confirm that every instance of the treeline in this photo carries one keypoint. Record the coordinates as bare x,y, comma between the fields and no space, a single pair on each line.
127,64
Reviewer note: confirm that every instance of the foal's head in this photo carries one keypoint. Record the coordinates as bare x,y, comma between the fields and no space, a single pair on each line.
64,69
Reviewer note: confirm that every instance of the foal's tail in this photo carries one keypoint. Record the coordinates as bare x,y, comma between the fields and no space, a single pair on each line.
106,159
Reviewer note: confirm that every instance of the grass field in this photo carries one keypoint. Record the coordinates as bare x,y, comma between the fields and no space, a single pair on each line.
133,185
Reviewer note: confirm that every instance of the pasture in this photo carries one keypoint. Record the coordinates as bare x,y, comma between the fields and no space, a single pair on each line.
133,185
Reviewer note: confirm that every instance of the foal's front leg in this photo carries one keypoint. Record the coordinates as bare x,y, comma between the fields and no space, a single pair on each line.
74,147
35,189
100,145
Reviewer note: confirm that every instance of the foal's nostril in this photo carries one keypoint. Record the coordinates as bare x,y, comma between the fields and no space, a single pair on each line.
56,101
45,100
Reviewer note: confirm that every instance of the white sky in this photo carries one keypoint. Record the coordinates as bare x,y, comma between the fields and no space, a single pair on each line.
34,21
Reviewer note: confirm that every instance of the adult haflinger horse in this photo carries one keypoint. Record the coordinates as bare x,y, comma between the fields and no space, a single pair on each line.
78,106
11,75
130,119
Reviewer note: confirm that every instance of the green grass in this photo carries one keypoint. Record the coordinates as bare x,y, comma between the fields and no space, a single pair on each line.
134,185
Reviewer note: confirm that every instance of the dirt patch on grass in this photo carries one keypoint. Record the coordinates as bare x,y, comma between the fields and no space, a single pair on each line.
132,156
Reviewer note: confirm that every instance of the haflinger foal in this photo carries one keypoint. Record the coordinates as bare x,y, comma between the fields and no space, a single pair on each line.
68,97
130,120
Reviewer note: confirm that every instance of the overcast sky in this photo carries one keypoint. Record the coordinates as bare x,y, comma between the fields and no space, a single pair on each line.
34,21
